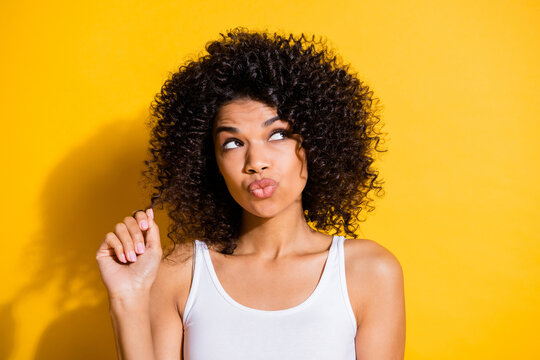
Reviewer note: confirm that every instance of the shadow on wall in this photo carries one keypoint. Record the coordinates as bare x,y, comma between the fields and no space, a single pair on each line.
92,189
6,330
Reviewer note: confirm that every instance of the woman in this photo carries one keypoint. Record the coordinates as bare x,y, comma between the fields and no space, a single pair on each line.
250,142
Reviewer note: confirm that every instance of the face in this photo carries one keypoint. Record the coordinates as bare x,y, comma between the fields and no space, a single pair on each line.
251,144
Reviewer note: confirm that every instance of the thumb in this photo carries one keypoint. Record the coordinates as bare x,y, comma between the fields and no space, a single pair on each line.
152,234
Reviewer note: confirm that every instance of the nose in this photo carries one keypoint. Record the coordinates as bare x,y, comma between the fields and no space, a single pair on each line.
257,159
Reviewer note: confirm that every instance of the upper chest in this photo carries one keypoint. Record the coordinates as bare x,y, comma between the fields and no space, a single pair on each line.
269,285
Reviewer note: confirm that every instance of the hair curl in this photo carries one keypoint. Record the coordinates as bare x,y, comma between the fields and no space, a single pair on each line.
332,110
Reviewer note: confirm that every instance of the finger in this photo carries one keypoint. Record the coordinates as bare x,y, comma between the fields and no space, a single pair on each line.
112,243
136,234
142,219
152,235
122,233
110,252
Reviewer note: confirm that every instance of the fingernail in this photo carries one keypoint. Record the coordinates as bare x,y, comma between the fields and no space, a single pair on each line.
144,225
131,256
151,211
123,258
140,248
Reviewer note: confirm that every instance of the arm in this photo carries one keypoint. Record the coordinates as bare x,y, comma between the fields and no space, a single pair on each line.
148,327
131,325
155,322
168,294
381,332
128,260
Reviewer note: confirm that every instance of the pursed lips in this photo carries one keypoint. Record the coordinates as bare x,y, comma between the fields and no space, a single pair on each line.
261,184
263,188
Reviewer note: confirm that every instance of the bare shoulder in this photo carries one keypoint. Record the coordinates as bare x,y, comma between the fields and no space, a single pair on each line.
373,272
364,255
174,276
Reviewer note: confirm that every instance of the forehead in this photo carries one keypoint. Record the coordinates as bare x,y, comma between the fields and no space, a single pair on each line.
242,112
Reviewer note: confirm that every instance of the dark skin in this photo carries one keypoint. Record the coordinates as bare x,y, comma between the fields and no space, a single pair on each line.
275,242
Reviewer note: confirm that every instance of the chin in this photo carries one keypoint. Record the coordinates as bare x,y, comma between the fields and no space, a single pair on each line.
263,212
266,209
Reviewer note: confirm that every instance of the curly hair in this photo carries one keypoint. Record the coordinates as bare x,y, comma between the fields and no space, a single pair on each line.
334,112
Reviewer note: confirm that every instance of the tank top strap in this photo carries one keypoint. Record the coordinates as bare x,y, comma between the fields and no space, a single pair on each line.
198,248
343,281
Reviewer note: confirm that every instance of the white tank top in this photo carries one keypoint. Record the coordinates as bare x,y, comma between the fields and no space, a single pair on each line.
216,327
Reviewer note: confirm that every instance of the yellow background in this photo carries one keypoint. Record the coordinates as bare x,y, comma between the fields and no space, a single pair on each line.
459,82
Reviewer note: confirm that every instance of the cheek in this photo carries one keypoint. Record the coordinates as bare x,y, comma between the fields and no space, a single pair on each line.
229,171
302,161
297,169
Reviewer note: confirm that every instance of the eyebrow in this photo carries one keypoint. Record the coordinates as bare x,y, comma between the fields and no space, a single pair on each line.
235,130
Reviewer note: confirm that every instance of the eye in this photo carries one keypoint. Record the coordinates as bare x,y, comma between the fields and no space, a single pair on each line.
284,134
229,144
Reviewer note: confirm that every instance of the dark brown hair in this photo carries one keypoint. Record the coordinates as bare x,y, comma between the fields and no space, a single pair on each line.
334,112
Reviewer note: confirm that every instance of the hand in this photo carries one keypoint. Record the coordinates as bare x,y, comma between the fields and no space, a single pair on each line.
129,257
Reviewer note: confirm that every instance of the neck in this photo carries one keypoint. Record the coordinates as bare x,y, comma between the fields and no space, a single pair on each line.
274,237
